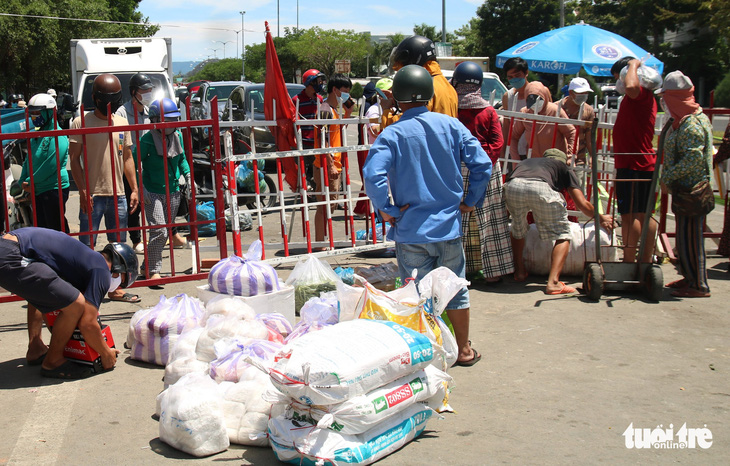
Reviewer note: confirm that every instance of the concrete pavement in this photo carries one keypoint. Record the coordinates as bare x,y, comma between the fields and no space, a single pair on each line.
560,381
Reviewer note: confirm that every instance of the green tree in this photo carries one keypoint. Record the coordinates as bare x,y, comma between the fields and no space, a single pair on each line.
468,41
319,48
227,69
36,54
503,23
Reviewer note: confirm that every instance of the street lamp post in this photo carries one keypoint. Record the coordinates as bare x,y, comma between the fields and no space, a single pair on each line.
277,19
237,33
224,42
215,51
243,48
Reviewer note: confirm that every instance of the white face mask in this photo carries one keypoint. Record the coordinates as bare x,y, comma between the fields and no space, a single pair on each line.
580,98
115,282
621,87
344,97
538,105
146,99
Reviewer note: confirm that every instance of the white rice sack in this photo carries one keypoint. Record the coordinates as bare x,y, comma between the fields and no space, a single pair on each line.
582,249
230,365
438,287
230,326
181,367
246,413
154,332
364,412
246,276
191,417
226,305
292,442
451,349
348,359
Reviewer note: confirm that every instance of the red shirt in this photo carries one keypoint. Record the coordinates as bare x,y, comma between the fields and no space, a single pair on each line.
633,132
484,124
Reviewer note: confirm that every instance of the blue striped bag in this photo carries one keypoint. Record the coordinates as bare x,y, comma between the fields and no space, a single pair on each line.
246,276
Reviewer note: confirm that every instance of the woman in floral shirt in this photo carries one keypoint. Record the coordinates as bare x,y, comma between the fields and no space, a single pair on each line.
687,161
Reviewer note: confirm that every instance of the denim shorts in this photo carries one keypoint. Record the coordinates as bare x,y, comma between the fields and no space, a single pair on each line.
429,256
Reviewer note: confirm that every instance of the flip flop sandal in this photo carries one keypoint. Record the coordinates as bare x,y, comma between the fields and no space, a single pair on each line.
127,298
565,289
690,293
677,284
469,362
68,370
37,361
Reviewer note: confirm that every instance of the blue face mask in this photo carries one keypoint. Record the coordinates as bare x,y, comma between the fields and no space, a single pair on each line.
39,121
517,82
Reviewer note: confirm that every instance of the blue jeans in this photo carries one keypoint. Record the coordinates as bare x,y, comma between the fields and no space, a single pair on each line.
104,207
429,256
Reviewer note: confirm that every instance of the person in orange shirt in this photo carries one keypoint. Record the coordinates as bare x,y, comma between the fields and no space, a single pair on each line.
419,50
338,105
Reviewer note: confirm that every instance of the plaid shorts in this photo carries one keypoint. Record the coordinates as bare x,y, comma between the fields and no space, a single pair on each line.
547,206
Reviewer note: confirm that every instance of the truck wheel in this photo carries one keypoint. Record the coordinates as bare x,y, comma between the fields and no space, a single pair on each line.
593,281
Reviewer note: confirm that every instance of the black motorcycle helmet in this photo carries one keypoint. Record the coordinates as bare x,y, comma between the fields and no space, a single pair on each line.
124,262
139,81
467,72
412,83
414,50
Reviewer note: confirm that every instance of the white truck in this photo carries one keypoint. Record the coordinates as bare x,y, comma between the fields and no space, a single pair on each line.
123,58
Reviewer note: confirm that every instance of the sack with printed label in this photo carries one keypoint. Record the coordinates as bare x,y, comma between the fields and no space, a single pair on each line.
362,413
298,443
153,332
246,276
348,359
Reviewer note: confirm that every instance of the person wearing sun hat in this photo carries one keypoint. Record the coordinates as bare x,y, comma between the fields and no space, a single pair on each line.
578,94
535,186
688,152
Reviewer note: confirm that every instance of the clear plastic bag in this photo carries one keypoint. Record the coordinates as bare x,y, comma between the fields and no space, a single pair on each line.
310,278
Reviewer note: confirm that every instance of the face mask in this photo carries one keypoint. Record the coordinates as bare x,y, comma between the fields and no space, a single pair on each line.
14,105
664,105
146,99
580,98
104,99
115,282
344,97
535,103
517,83
620,87
169,131
39,121
318,87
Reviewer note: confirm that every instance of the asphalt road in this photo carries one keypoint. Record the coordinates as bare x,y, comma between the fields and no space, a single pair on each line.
560,381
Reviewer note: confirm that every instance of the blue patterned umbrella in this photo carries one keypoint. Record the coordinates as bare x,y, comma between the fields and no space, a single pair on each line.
566,50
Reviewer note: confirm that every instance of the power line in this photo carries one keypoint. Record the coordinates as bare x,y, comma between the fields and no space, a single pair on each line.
117,22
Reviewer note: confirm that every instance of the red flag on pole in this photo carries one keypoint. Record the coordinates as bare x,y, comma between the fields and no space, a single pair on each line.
275,90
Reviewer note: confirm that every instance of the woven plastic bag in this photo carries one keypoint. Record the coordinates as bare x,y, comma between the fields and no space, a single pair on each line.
153,332
246,276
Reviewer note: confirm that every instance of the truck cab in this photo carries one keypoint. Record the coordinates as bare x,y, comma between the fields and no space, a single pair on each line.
122,58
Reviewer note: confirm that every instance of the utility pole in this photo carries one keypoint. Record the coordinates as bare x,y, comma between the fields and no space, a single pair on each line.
243,48
443,21
562,24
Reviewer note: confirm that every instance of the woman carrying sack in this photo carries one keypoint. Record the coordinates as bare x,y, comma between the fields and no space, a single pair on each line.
153,145
687,166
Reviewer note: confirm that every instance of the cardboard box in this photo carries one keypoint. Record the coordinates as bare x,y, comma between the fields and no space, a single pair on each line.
78,351
281,301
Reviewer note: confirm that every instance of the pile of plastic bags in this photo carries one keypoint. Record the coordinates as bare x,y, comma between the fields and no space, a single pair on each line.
357,377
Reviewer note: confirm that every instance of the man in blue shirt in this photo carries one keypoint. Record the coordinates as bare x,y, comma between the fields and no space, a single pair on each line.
54,271
420,158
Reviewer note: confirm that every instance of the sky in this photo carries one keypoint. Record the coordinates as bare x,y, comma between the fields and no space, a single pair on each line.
196,26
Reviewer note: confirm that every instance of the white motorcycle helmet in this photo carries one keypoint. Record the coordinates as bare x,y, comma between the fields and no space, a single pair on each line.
41,101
